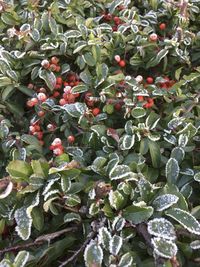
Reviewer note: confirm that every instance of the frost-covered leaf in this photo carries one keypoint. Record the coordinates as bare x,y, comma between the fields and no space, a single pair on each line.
93,255
116,199
126,260
24,220
127,142
21,259
183,140
165,201
104,237
161,227
178,153
187,220
172,170
121,172
164,248
115,244
118,223
195,244
49,78
75,110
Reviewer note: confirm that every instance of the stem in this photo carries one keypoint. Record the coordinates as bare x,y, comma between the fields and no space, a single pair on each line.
39,240
73,257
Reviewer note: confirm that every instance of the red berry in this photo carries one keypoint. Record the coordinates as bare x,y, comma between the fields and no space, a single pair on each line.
57,69
122,63
153,37
95,111
54,60
59,80
41,113
56,142
140,98
30,104
34,100
162,26
58,151
118,106
71,139
150,80
62,102
39,135
37,128
53,67
42,90
32,129
45,64
117,20
58,86
56,94
42,97
65,83
30,86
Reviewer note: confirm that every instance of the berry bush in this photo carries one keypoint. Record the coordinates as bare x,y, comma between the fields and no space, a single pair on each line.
100,133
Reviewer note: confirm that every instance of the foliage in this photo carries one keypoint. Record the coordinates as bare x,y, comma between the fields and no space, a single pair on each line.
99,133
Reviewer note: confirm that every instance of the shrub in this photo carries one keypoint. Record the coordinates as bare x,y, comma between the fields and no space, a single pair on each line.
99,133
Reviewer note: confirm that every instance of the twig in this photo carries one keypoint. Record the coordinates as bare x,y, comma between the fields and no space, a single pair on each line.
39,240
73,257
142,230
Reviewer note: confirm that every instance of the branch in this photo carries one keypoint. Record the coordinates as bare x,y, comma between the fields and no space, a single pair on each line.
73,257
39,240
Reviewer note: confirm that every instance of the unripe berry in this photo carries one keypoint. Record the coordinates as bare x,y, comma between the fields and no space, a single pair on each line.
117,58
71,139
153,37
45,64
122,63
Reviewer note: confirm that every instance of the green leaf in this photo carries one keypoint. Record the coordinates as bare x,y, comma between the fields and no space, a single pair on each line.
21,259
89,60
40,168
25,90
116,199
156,60
137,214
38,218
172,170
161,227
197,177
31,140
4,81
79,89
154,149
178,153
104,237
18,169
183,217
70,217
138,112
7,92
126,260
93,255
115,244
164,248
49,78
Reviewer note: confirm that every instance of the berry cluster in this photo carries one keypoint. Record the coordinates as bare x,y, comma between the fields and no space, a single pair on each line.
57,147
121,62
113,19
35,129
51,65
